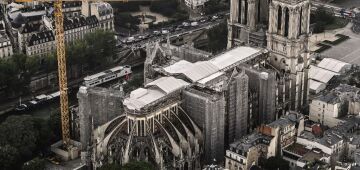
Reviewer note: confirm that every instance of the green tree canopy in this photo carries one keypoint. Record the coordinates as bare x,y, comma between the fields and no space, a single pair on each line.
19,132
138,165
9,157
276,163
214,6
218,38
321,18
134,165
35,164
112,166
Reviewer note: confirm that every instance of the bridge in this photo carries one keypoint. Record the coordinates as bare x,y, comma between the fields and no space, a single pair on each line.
135,54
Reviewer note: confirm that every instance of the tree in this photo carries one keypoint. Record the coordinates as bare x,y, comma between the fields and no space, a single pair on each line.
167,8
217,38
35,164
46,134
19,132
321,18
54,124
112,166
135,165
9,157
126,21
214,6
138,165
276,163
101,47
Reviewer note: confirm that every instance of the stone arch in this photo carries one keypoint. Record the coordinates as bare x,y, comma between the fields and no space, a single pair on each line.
186,166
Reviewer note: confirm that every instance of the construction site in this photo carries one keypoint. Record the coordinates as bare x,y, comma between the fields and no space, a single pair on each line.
191,105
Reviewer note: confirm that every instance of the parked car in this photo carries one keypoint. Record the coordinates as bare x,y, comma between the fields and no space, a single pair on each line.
185,24
193,24
156,32
164,31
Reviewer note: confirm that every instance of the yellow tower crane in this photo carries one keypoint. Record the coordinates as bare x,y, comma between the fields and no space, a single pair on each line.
60,50
61,58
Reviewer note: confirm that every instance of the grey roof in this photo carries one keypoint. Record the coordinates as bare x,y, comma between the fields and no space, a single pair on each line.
152,92
330,97
333,64
344,130
168,84
355,140
320,74
41,37
28,28
291,119
245,143
346,88
69,4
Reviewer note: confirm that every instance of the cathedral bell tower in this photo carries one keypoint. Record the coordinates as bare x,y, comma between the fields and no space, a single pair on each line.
287,42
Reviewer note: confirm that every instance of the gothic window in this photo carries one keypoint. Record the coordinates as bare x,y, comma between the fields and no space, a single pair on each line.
300,21
279,18
284,47
258,11
246,12
239,9
286,22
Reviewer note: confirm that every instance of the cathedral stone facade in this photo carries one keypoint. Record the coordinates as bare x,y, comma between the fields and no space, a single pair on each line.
282,27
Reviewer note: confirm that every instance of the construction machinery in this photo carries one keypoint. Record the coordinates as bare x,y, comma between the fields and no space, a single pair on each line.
61,58
59,34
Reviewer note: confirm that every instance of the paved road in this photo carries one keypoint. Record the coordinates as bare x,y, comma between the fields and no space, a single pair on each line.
142,43
347,51
346,3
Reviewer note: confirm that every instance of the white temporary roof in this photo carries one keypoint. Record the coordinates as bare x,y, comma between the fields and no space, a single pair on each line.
316,86
233,56
153,91
178,67
332,64
168,84
320,74
200,70
211,77
141,97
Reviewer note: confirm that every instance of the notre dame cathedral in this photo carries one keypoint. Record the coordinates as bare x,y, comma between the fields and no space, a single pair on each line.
282,27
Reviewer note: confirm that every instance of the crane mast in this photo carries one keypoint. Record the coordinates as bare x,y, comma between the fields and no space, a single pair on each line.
61,58
60,50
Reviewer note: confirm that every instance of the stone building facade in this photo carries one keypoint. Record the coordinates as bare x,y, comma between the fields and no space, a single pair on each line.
262,94
237,106
208,111
41,44
247,24
103,12
282,27
152,127
5,46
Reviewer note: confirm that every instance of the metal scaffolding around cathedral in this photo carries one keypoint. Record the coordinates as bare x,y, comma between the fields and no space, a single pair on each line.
184,116
282,27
